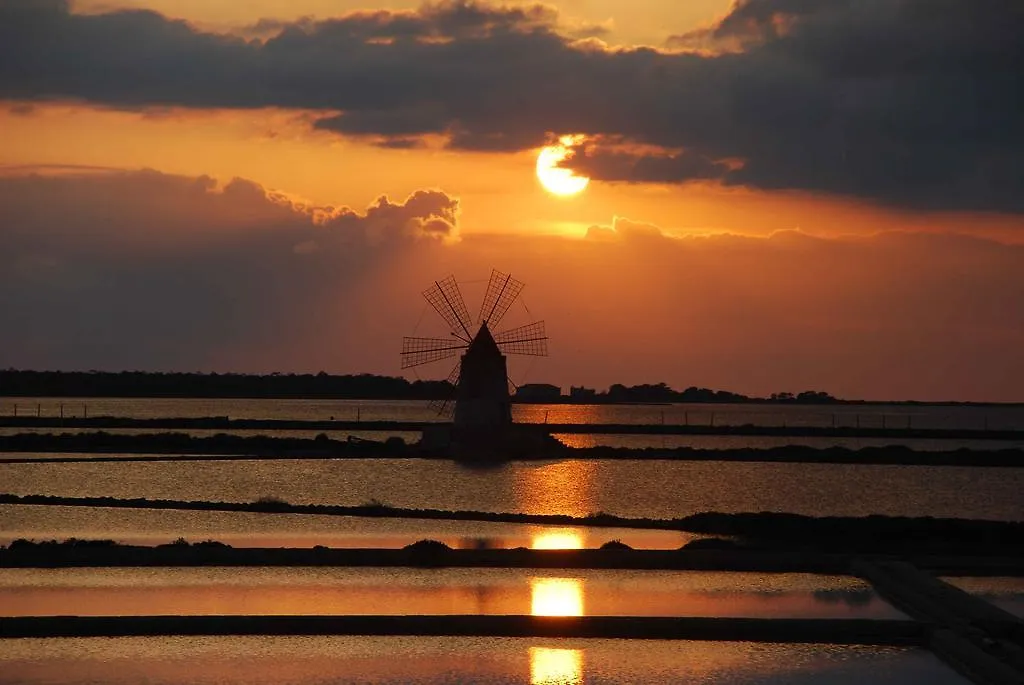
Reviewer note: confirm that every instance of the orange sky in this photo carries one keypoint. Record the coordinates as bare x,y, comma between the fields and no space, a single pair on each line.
627,22
701,337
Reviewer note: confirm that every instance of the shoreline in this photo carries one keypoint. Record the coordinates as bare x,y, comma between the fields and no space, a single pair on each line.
868,632
764,532
225,423
423,555
224,447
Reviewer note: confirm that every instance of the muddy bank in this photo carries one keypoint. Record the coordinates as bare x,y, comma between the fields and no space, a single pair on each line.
832,631
184,447
787,534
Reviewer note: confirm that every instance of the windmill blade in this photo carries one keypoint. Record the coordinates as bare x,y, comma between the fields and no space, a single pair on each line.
502,291
530,340
446,299
420,351
446,406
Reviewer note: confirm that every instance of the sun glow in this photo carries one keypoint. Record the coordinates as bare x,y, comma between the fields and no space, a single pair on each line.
556,179
556,597
557,540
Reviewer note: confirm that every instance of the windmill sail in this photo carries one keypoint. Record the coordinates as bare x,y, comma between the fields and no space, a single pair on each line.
502,291
444,406
446,299
530,340
419,351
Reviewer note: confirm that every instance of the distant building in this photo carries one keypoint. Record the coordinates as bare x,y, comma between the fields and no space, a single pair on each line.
538,392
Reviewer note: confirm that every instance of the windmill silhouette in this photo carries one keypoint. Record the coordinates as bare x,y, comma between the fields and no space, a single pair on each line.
482,405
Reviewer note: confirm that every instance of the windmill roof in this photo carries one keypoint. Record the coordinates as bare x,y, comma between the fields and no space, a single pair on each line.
483,342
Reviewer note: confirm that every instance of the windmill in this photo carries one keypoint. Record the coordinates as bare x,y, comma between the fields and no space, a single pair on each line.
480,378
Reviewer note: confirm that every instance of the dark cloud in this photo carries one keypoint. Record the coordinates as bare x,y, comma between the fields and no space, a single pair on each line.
914,103
607,164
142,269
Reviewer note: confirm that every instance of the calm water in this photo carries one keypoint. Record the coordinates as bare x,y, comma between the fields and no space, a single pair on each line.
658,489
995,417
422,661
354,591
642,489
149,527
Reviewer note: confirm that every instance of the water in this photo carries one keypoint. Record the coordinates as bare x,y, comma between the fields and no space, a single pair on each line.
628,488
433,661
402,591
652,489
240,529
874,415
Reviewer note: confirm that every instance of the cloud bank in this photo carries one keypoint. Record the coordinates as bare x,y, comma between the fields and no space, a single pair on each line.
143,270
912,103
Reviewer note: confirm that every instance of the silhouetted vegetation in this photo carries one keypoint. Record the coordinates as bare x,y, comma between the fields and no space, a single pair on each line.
69,543
26,383
225,447
205,544
428,553
876,534
661,393
219,444
765,531
16,383
428,546
835,631
615,544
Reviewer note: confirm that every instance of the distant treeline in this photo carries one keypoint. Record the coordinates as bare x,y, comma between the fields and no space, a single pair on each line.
661,392
364,386
16,383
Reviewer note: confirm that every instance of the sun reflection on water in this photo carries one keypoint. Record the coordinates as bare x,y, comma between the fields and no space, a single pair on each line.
556,596
565,487
556,666
557,539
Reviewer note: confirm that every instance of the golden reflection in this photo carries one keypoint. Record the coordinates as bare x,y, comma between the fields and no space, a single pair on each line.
556,596
556,666
558,539
565,487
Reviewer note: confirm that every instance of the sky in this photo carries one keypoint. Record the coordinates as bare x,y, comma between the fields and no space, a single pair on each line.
784,194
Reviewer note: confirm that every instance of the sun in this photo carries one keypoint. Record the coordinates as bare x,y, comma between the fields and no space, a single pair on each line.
556,179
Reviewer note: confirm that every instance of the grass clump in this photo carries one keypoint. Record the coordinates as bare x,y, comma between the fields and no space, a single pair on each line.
271,503
434,546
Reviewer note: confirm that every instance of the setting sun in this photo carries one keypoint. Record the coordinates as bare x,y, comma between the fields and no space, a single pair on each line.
556,179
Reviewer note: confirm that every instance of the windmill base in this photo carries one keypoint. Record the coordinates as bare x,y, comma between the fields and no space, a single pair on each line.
515,441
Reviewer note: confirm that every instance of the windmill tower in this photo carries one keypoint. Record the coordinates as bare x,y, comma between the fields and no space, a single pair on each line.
483,407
